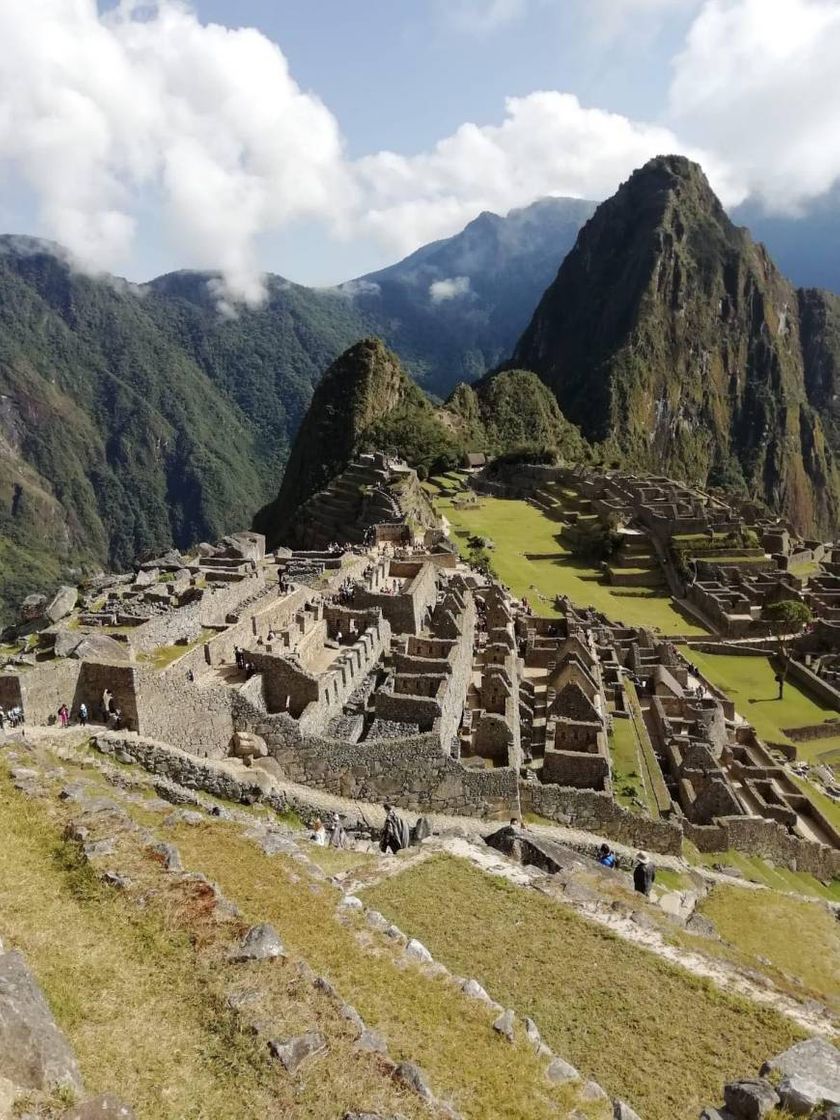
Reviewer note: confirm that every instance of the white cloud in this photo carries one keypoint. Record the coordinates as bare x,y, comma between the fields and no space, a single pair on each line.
482,16
611,19
757,83
101,113
455,286
547,144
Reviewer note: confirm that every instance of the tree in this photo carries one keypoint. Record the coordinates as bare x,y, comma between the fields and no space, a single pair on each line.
787,618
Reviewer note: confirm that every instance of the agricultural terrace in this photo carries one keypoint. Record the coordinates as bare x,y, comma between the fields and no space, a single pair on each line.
528,557
750,683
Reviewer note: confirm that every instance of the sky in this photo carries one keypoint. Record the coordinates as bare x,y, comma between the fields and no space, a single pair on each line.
322,139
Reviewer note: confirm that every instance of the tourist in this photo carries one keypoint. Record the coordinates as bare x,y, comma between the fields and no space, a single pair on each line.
606,856
190,675
2,717
338,837
83,714
319,833
644,874
64,715
395,834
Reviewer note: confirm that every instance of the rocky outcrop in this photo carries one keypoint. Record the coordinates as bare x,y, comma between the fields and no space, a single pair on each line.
670,335
34,1054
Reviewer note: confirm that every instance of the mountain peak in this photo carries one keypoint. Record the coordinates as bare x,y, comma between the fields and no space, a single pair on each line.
670,334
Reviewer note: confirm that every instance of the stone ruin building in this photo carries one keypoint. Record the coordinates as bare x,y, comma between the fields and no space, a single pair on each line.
391,670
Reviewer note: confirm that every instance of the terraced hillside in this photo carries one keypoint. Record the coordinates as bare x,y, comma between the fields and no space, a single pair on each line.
134,917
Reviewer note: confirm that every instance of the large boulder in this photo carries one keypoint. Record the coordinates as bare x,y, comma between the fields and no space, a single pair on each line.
34,1054
146,577
750,1099
65,641
62,603
815,1063
101,647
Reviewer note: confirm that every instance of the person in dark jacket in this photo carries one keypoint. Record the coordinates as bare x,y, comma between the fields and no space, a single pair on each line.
644,874
395,834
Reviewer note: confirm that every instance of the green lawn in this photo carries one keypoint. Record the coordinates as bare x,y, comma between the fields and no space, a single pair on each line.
624,751
647,1030
757,870
529,559
749,682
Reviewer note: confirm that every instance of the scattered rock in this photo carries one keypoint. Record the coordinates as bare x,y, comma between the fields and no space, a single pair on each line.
800,1097
377,920
184,816
116,880
417,951
169,855
474,990
532,1033
293,1052
323,985
592,1091
260,943
32,607
104,1107
623,1111
750,1099
353,1017
95,848
559,1071
101,647
62,603
350,902
813,1060
66,641
34,1054
710,1113
701,926
409,1074
372,1041
504,1024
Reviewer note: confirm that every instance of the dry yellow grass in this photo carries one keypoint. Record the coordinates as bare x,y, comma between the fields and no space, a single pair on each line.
141,994
647,1030
426,1021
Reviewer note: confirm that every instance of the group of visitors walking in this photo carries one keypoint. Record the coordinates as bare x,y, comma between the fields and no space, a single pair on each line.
11,718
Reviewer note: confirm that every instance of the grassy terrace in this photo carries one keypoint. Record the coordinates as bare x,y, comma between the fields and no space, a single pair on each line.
647,1030
750,683
529,559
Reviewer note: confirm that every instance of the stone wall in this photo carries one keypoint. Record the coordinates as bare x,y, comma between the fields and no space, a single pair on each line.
120,680
276,614
407,611
814,685
767,839
411,772
194,718
42,690
576,768
597,812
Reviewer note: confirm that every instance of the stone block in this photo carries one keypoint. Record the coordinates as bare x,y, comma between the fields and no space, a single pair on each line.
559,1072
417,951
62,603
750,1099
504,1024
34,1054
293,1052
813,1060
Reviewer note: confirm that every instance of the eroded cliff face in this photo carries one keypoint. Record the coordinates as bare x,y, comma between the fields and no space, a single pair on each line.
672,338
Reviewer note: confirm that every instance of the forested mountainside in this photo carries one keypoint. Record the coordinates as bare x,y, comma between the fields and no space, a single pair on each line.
366,401
671,336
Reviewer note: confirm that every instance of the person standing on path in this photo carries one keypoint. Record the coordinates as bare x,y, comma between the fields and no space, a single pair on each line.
644,874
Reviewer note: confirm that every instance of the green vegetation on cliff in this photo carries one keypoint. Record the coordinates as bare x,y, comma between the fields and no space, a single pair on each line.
671,337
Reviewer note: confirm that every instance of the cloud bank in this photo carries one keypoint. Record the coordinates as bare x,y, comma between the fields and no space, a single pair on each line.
145,110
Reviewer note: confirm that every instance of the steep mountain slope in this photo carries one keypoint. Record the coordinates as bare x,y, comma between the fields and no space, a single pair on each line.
454,308
364,399
366,402
134,419
805,247
671,336
513,410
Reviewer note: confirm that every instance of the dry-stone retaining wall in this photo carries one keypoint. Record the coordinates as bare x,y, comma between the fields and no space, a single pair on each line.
196,719
767,839
597,812
411,772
